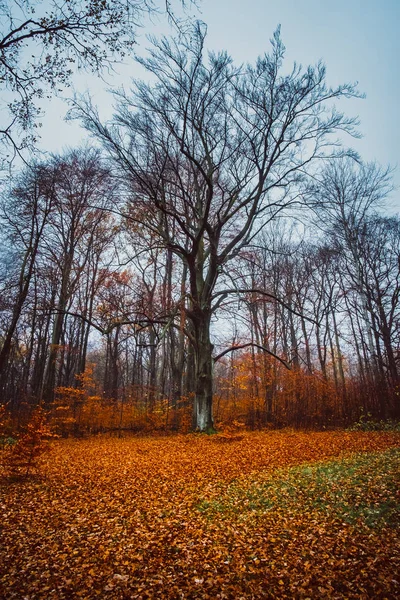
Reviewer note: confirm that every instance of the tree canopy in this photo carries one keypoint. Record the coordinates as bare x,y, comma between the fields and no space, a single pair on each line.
43,43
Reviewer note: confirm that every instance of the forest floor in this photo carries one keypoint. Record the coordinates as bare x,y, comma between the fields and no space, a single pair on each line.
255,515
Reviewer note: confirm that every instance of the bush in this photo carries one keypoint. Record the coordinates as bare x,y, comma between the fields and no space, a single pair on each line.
22,454
366,423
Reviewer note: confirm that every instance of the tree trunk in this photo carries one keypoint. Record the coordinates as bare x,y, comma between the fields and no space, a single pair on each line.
321,352
203,399
23,289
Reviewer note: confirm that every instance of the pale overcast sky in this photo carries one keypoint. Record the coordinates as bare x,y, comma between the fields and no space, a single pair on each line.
358,40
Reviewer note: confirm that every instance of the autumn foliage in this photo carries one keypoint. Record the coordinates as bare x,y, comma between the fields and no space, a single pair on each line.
257,391
251,392
249,515
24,453
82,410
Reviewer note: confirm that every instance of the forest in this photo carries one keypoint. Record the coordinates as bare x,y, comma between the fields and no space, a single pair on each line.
98,313
199,321
216,254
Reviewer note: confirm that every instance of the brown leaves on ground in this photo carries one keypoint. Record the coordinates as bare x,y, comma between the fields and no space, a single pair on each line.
190,517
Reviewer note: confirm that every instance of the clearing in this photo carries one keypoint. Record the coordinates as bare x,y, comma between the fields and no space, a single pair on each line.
257,515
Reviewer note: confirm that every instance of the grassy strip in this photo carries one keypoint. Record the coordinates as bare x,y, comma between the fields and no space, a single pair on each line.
362,490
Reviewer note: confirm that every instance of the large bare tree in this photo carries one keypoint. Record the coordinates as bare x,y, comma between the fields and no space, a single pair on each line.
209,153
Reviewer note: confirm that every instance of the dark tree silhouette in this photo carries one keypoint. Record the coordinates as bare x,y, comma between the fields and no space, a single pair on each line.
42,43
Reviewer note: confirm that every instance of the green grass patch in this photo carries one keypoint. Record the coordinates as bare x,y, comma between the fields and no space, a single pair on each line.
362,490
366,423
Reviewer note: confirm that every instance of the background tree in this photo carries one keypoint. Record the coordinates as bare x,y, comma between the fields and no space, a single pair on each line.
25,213
83,191
347,196
56,241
